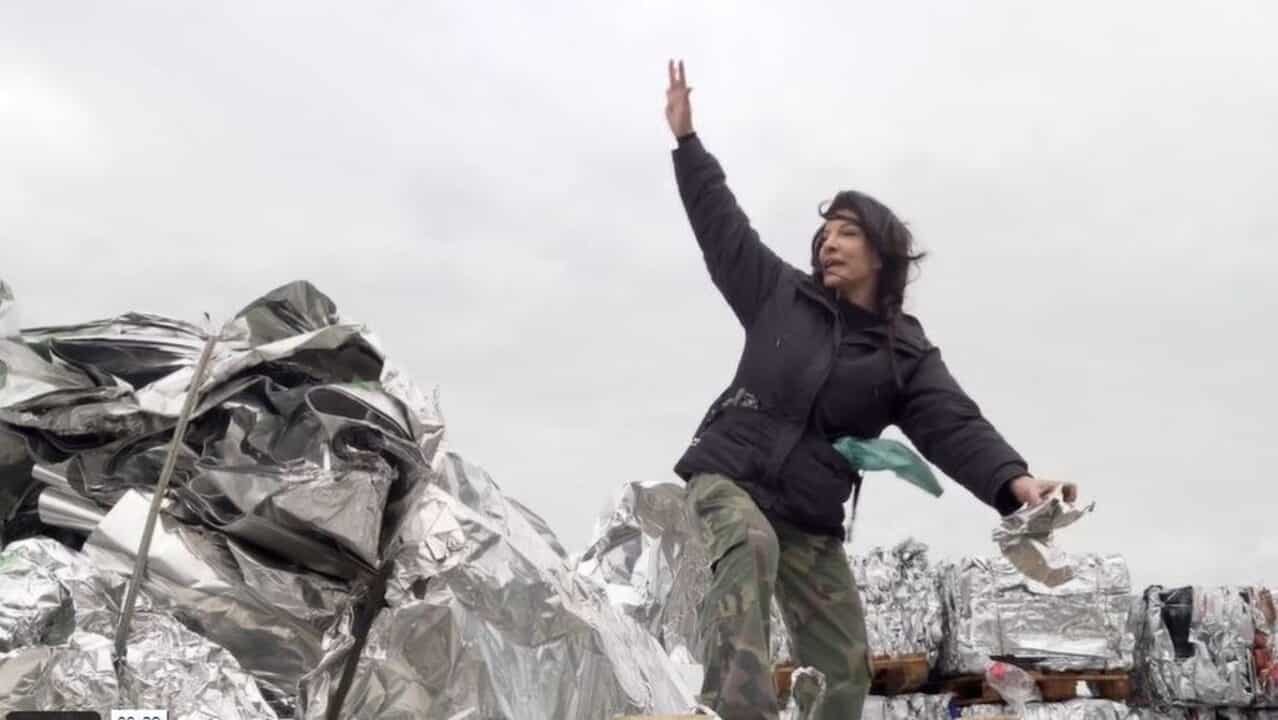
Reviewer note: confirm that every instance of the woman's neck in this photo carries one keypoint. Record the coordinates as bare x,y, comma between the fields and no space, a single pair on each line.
864,296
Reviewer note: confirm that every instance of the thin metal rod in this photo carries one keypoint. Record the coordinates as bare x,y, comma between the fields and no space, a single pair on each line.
161,488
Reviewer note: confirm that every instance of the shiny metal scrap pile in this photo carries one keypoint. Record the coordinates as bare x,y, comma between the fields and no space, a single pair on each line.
1199,646
303,531
485,615
59,613
993,610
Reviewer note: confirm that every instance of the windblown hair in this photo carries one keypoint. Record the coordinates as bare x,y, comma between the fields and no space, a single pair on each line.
893,243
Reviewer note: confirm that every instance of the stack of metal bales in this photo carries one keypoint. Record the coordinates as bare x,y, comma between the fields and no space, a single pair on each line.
318,550
915,706
995,611
902,602
1206,647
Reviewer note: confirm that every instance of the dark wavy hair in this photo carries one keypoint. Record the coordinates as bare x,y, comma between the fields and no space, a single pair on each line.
893,243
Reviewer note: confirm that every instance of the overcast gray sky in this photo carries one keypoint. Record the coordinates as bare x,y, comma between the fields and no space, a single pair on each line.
488,187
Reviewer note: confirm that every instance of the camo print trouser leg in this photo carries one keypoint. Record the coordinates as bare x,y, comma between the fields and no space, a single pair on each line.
750,556
822,608
734,616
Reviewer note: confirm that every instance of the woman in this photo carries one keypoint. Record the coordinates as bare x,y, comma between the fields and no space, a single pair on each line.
828,353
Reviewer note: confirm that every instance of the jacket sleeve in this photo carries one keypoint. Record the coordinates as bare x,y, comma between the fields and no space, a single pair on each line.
741,266
947,427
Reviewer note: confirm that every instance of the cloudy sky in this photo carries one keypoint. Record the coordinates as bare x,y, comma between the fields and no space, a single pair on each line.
488,187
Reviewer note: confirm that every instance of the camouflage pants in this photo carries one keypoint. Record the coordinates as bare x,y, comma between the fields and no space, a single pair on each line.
750,559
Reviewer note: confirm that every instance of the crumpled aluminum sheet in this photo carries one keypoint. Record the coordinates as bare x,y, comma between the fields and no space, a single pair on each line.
907,707
229,592
307,444
174,669
25,375
305,441
171,667
652,564
994,611
1025,539
77,675
1219,667
486,619
807,695
65,509
1084,709
168,666
9,321
35,609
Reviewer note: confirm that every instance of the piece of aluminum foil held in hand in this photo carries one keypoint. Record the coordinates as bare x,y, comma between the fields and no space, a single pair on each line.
1025,538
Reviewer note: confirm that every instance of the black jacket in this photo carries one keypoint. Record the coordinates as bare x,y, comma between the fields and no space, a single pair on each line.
760,430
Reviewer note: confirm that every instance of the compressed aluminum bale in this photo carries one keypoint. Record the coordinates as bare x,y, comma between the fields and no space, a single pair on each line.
485,618
994,611
907,707
1195,645
901,597
1082,709
1265,617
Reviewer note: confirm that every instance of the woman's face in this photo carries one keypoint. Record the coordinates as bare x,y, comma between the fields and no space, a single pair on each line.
847,259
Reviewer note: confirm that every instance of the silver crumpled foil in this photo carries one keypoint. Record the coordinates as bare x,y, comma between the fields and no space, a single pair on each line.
807,694
171,667
75,675
907,707
652,564
9,321
1194,647
303,454
995,611
271,618
35,609
654,567
1083,709
486,619
1025,539
168,666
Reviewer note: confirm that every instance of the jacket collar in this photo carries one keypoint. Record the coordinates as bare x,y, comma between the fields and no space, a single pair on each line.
908,330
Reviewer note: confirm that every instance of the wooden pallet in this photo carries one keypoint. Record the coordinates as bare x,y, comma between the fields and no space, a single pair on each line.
891,675
1054,687
896,675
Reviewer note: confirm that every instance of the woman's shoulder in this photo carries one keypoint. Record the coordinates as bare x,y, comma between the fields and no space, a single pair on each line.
910,334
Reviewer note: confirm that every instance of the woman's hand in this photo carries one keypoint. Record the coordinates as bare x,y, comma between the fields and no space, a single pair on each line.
678,109
1033,491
